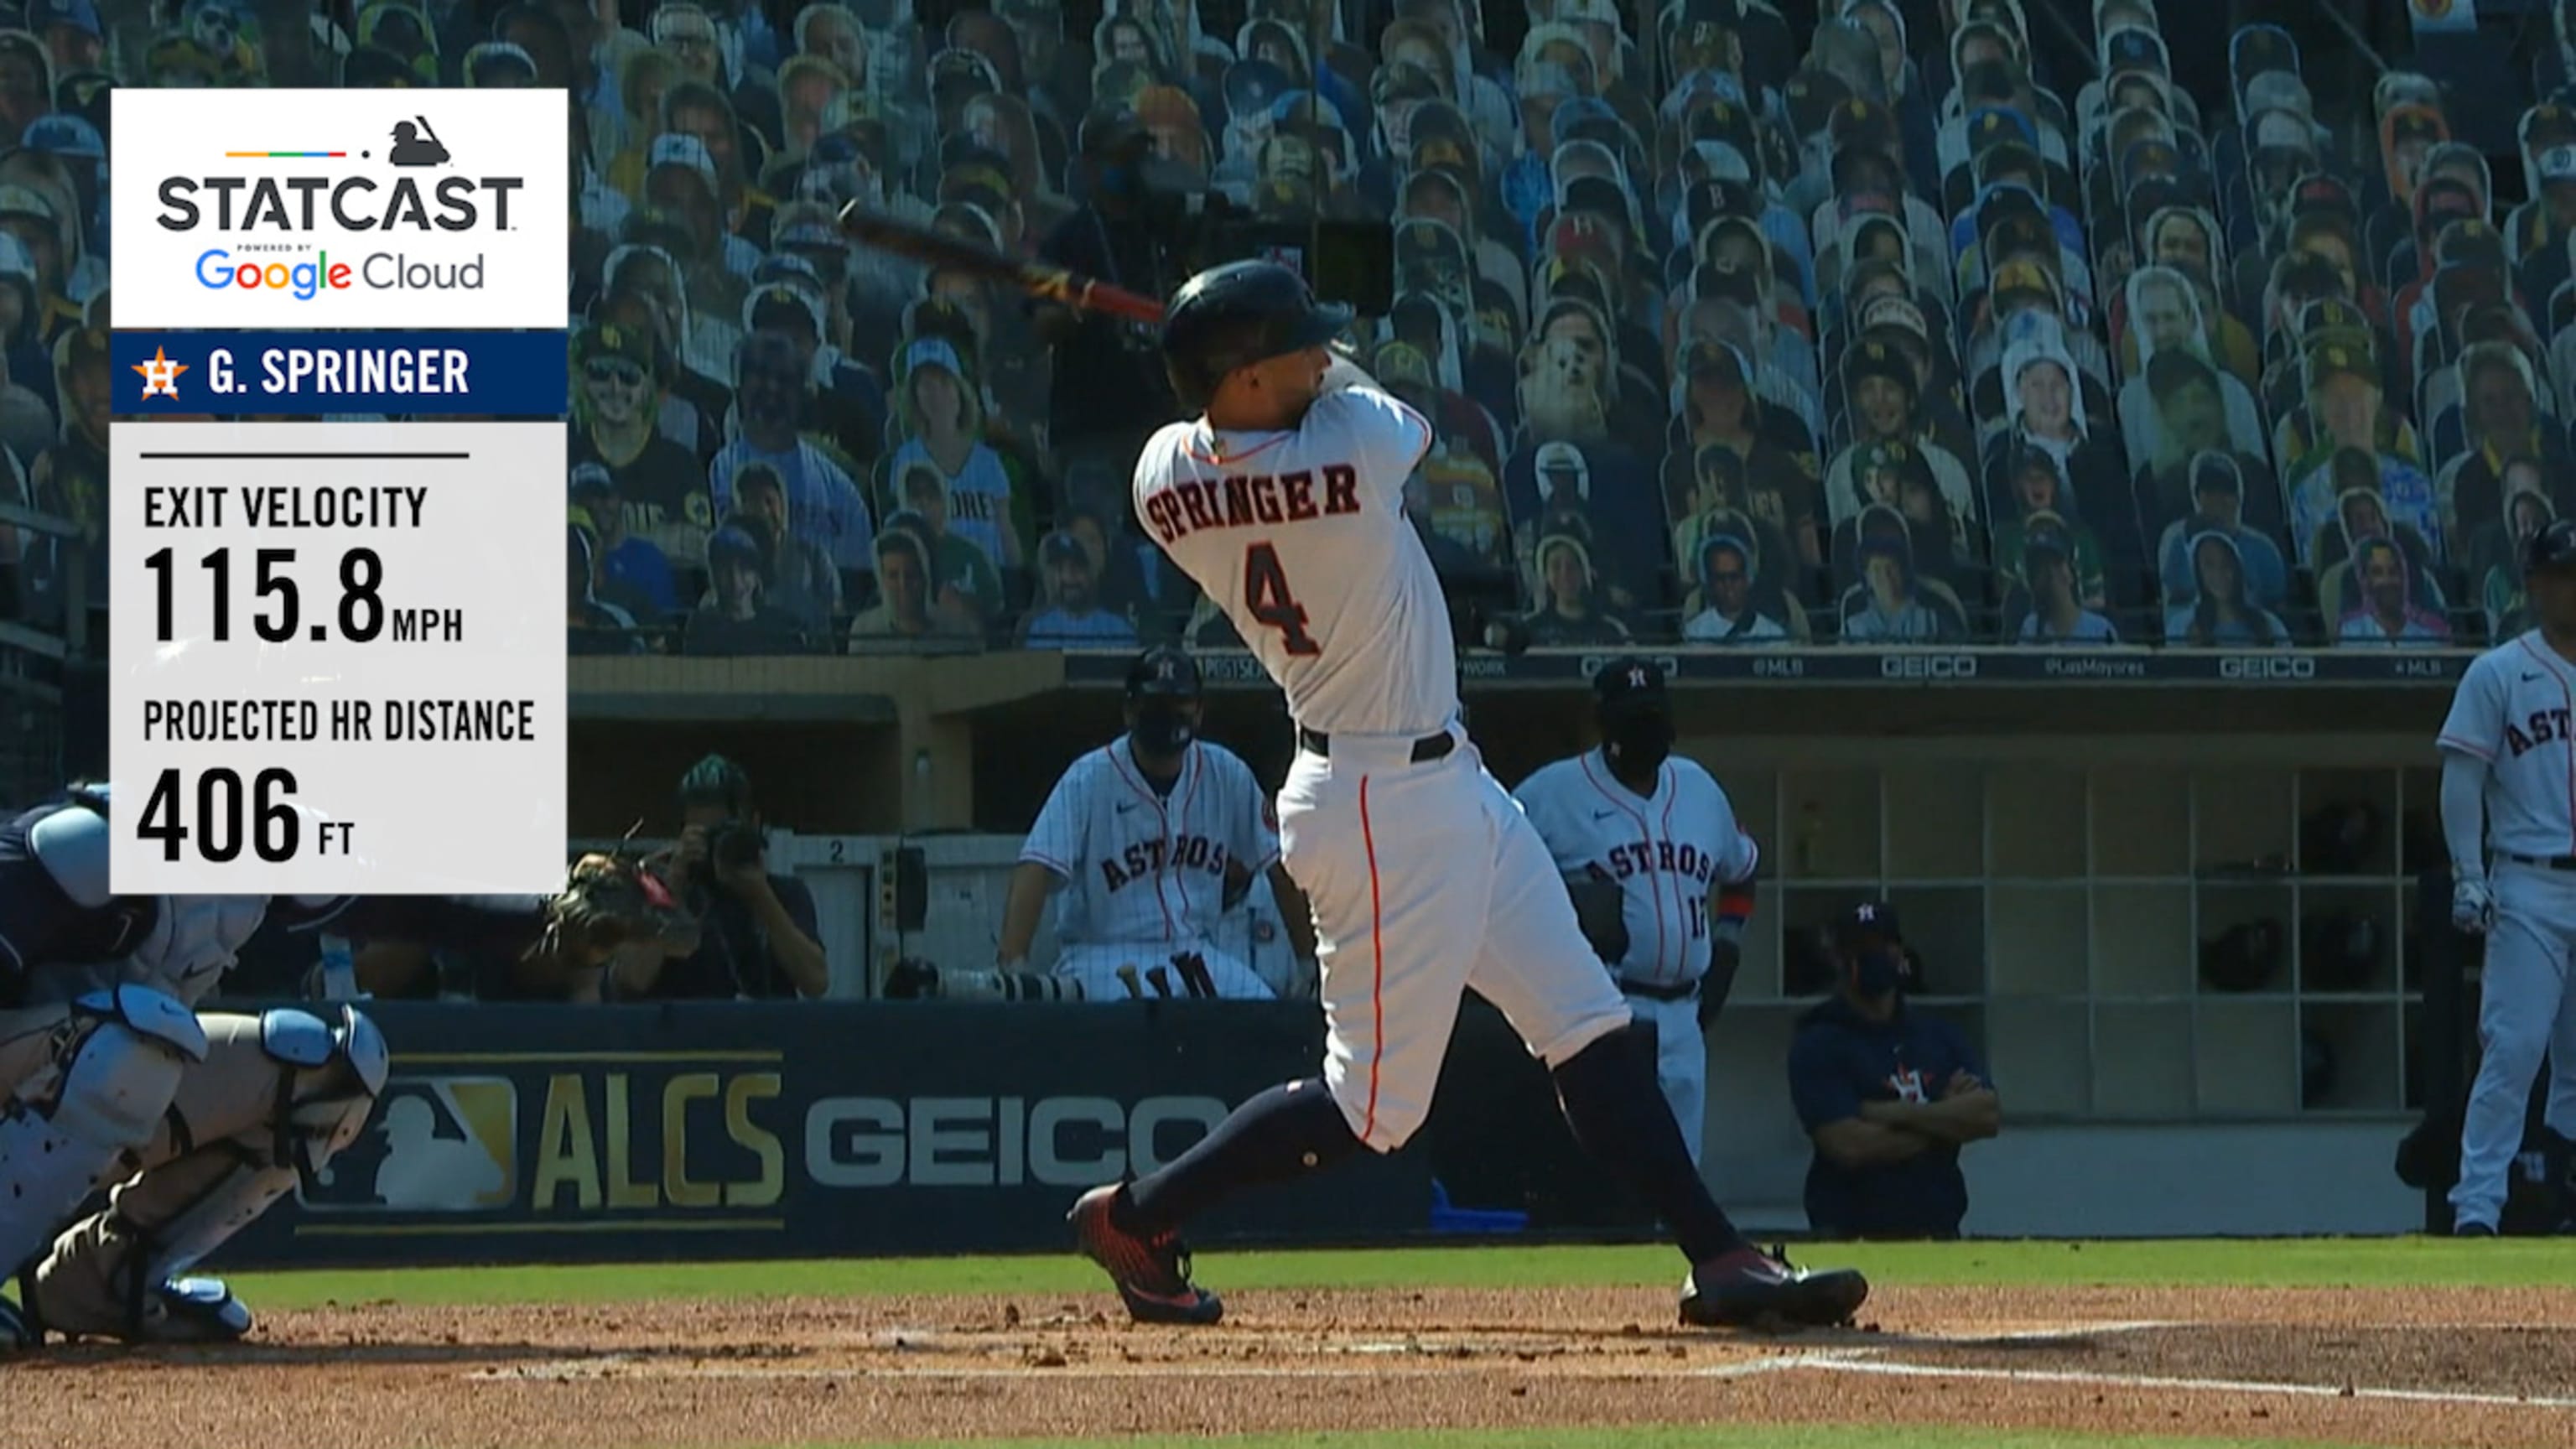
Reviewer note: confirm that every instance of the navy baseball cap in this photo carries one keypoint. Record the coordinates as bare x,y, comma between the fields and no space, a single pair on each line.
1868,919
1165,670
1629,683
2552,550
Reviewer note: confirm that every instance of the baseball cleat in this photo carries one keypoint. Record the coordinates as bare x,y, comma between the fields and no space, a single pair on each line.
2471,1228
1749,1288
1152,1273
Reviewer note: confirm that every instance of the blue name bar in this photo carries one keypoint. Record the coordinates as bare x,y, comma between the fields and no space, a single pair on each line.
230,374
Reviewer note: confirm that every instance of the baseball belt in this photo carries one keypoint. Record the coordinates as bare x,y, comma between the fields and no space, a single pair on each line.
1666,991
1425,749
2545,862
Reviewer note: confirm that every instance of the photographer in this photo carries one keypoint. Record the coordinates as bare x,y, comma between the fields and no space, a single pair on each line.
756,936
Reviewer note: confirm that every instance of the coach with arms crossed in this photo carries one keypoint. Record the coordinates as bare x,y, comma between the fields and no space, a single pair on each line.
1661,874
1889,1095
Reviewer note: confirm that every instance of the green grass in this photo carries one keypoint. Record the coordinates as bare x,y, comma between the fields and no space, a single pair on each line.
1803,1436
2302,1262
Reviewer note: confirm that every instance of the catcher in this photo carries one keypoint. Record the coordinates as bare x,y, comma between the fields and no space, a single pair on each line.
195,1121
1150,838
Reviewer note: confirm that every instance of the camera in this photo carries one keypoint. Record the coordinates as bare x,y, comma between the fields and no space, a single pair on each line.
733,844
1344,261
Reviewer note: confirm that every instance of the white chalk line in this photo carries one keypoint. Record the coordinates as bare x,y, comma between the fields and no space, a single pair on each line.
1858,1364
1421,1357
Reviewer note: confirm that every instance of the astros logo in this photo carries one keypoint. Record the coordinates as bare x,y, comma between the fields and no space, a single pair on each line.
160,375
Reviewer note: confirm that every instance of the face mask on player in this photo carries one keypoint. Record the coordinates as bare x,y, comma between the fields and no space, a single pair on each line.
1637,740
1164,728
1878,971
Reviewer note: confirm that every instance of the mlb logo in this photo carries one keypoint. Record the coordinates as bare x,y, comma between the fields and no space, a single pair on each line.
436,1144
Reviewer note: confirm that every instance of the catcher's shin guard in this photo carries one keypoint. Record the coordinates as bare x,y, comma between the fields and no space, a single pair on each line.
119,1058
280,1093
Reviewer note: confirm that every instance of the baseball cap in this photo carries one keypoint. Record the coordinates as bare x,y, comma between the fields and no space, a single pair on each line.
2134,46
1866,920
1560,457
2416,123
65,135
2334,359
931,352
2279,90
1629,683
2552,549
679,148
1064,547
2215,472
2558,163
592,480
1164,670
613,340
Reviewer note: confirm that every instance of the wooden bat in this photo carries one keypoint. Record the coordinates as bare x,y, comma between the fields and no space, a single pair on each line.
880,232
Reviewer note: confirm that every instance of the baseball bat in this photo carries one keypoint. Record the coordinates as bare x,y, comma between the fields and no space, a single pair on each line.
880,232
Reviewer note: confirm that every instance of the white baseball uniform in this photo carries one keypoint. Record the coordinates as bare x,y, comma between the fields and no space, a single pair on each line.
1144,869
2515,710
1668,851
1423,874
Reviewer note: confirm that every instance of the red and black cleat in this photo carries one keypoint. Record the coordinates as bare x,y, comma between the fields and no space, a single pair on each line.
1749,1288
1152,1273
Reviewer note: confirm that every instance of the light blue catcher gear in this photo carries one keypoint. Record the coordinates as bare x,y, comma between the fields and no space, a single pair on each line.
119,1061
278,1094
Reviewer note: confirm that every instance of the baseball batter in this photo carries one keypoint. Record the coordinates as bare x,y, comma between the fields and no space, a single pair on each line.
1654,839
1284,501
195,1121
2509,765
1144,843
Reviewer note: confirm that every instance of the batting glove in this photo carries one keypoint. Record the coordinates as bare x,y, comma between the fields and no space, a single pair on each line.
2472,906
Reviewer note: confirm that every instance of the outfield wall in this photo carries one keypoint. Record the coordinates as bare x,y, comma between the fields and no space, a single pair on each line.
744,1130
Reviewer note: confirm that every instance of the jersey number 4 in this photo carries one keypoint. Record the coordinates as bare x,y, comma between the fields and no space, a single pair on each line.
1265,587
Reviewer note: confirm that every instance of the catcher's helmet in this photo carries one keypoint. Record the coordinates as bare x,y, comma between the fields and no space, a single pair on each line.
2552,549
1236,315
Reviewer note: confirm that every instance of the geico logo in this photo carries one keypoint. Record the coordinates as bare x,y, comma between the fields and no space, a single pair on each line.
384,272
292,204
997,1141
2266,666
1928,666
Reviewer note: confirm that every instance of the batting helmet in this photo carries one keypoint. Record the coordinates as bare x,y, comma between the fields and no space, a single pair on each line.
1235,315
2552,549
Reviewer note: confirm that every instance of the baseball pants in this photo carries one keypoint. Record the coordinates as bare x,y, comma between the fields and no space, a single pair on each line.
1681,1063
2525,1011
1426,879
1098,967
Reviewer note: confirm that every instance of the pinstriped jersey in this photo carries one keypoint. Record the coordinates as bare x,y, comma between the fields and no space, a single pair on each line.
2513,710
1300,536
1668,851
1147,865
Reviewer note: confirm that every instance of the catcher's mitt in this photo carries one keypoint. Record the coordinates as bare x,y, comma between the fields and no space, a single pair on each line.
606,902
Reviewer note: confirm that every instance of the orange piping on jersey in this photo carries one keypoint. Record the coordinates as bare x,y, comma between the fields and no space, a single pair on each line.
2564,743
1377,967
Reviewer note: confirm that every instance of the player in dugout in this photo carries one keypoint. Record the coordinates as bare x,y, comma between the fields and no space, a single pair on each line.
1888,1093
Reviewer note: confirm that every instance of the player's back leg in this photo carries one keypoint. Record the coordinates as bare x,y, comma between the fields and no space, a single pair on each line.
1392,856
1537,969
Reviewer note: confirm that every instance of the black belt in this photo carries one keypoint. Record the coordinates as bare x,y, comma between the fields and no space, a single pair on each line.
1683,991
2545,862
1425,749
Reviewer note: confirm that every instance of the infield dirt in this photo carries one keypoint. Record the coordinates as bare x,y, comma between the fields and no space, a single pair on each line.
2471,1367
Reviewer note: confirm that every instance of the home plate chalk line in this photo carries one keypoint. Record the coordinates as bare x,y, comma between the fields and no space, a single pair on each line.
1389,1362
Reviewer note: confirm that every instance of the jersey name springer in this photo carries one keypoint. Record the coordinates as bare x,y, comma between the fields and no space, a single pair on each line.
1243,501
1144,858
2544,726
1643,856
